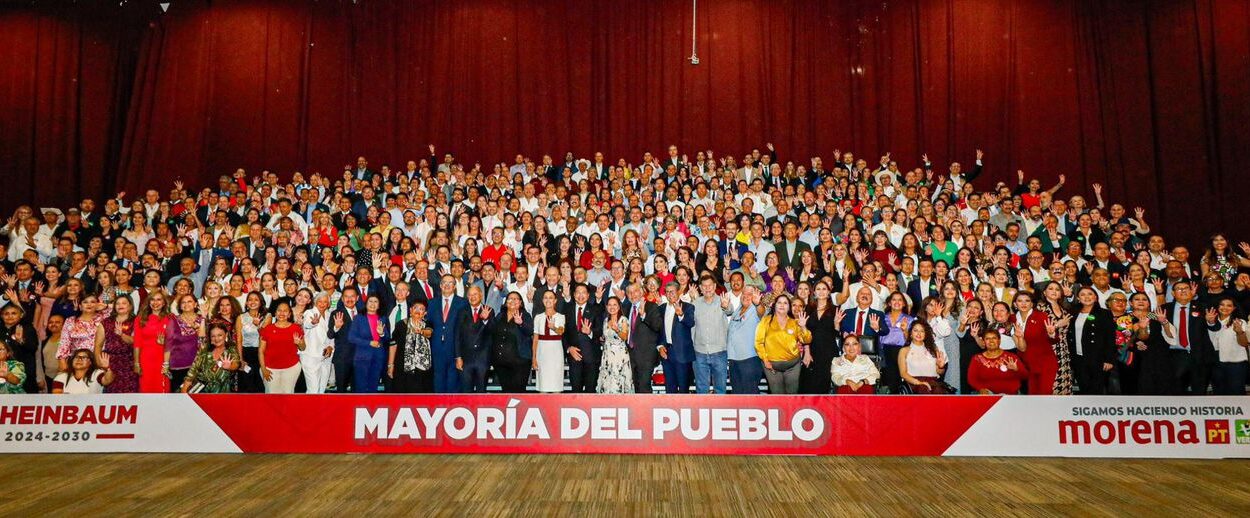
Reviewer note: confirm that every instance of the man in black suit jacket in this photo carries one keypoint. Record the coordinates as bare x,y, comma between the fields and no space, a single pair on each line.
419,282
549,281
1193,357
362,171
1092,345
923,286
582,341
790,249
646,325
473,344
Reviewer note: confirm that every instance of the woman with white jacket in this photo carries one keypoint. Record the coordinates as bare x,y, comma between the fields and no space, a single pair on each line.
315,357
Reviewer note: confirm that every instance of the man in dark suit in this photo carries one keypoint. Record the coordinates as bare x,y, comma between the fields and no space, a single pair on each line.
923,286
868,324
550,281
207,213
582,340
419,280
674,160
678,348
616,283
368,198
1091,336
365,286
1193,356
600,170
473,342
385,288
645,333
339,329
444,313
790,250
362,171
309,205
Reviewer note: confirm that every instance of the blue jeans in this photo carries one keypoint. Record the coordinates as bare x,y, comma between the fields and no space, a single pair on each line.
744,375
715,366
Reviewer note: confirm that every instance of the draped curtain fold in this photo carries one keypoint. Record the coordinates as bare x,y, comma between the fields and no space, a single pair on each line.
1150,99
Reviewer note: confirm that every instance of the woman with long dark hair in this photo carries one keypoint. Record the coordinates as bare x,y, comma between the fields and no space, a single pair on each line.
822,322
921,363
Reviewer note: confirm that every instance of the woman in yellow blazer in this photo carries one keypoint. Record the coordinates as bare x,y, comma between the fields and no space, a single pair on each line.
781,340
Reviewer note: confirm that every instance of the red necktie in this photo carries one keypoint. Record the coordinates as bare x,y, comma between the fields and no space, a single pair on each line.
579,317
859,323
474,315
428,293
1184,331
446,309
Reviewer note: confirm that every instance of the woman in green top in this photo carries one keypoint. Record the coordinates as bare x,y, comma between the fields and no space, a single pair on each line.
214,365
12,372
355,234
941,249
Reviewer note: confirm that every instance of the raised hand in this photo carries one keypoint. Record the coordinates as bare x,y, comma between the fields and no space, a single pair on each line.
1097,188
104,360
874,321
980,154
1211,315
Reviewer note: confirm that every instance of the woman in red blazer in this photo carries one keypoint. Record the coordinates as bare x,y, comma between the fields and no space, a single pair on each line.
1038,348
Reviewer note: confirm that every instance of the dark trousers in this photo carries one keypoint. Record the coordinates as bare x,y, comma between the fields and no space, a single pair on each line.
473,375
446,376
1091,380
642,359
176,377
890,376
250,382
368,366
513,375
584,374
744,375
1230,378
677,376
1187,374
344,361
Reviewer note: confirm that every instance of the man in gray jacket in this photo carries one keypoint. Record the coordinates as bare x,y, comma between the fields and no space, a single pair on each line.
711,361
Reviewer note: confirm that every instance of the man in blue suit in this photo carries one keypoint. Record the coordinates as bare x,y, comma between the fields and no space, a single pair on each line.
677,349
340,328
923,286
864,322
444,315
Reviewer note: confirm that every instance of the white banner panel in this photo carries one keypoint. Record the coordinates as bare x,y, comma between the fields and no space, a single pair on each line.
149,423
1110,426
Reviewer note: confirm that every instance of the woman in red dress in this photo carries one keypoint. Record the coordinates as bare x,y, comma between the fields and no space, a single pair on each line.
1037,347
995,371
150,343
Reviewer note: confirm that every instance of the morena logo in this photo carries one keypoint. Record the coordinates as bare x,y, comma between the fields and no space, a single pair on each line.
1129,431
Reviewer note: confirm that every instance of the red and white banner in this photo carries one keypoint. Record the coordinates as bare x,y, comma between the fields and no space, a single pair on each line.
1207,427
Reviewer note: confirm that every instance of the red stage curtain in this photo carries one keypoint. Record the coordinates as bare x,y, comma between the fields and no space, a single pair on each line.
1148,98
63,92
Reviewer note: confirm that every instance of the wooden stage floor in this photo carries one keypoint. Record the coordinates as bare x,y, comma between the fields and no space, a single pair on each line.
581,485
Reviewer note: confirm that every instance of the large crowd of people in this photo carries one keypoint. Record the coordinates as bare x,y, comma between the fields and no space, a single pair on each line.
702,274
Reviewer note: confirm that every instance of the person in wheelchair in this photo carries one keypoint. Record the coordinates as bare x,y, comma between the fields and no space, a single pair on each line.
921,363
854,373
